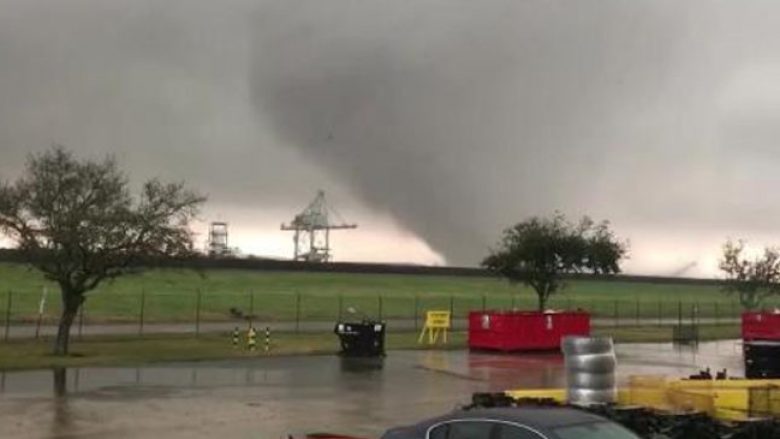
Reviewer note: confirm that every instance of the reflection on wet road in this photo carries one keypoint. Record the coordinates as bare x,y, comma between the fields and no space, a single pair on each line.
265,398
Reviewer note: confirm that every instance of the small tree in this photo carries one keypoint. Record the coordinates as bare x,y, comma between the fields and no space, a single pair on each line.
77,222
752,280
539,251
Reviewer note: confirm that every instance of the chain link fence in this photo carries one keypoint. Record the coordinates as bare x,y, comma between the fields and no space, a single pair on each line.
35,312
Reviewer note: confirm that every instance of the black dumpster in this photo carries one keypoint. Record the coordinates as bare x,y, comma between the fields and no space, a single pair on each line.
363,339
762,359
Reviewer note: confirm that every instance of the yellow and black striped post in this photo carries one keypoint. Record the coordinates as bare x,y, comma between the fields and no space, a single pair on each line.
235,337
267,338
251,339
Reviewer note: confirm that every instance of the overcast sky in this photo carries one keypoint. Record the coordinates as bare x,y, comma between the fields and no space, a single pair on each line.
434,124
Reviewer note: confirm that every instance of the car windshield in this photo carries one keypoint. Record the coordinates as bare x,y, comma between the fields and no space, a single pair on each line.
598,430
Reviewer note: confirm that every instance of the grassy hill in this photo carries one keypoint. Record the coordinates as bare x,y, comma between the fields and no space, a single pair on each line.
177,294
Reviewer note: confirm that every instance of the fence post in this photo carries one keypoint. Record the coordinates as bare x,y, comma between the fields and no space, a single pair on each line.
679,312
9,303
616,314
637,312
297,312
197,313
251,307
717,313
141,313
41,308
416,307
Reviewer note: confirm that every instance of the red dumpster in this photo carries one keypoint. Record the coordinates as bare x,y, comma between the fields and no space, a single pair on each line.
760,325
524,330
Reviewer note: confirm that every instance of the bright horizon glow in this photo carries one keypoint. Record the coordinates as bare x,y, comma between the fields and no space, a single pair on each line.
379,240
686,253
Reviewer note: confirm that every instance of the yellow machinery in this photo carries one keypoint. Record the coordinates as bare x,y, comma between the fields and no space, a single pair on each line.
728,400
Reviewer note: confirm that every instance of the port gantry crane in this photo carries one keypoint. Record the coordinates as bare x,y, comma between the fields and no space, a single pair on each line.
311,230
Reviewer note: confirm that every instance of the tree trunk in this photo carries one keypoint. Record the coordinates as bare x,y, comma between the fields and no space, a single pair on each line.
544,292
542,295
70,307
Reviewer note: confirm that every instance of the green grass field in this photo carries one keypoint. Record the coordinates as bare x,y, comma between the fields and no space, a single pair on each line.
178,295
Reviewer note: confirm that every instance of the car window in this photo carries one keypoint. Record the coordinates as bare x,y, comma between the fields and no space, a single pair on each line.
463,430
439,432
598,430
506,431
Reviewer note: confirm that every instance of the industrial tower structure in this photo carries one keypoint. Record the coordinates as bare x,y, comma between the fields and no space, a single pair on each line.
311,230
217,245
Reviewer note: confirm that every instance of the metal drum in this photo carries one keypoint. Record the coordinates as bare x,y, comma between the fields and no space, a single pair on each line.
590,370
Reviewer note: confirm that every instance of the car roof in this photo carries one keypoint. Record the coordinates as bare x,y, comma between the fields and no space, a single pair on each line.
538,418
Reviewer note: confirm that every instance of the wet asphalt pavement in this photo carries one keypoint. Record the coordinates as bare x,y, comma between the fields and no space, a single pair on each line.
267,398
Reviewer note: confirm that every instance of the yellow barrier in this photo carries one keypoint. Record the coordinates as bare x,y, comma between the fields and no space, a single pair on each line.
735,399
724,399
764,401
558,395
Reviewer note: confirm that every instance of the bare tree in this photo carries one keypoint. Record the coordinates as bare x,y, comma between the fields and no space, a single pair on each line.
752,280
77,222
540,251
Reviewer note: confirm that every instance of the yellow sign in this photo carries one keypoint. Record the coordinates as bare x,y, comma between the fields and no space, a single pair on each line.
437,319
436,322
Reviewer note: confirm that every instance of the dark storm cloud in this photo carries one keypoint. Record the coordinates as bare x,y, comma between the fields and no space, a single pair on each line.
455,117
461,117
162,85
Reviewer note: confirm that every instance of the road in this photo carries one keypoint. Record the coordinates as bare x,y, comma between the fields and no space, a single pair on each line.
19,331
269,397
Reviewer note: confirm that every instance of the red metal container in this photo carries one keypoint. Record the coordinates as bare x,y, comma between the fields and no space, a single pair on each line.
760,325
524,330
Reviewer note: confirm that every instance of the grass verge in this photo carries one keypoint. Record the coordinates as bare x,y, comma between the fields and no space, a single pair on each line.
660,334
133,351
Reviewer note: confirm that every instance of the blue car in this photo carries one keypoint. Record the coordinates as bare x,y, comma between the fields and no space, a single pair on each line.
514,423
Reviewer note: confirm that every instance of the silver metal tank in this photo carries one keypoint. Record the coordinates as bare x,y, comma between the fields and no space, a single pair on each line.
590,369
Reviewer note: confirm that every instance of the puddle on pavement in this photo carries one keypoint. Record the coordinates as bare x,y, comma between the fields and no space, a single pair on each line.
267,397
